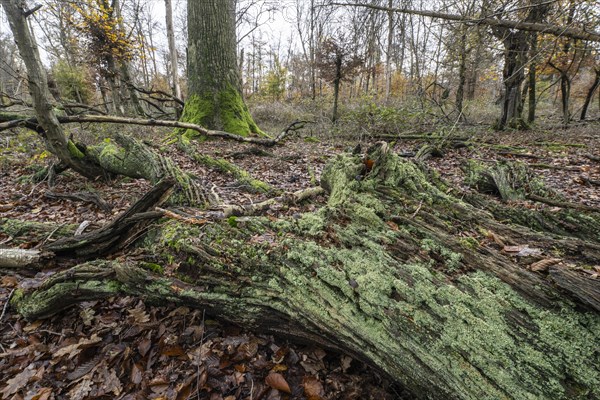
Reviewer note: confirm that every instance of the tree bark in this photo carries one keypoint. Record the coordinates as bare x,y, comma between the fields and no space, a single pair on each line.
215,98
515,58
393,271
172,50
590,94
532,77
336,86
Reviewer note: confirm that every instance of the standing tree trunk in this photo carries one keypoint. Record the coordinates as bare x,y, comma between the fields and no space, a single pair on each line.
134,105
462,73
532,78
215,98
565,92
389,50
56,141
515,58
336,86
590,94
172,50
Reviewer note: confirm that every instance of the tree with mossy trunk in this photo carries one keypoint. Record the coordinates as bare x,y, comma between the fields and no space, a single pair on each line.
214,84
453,297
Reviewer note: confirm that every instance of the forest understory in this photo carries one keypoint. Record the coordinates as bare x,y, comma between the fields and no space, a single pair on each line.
173,352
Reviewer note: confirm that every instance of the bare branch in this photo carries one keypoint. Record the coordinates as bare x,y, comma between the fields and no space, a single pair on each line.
560,31
12,121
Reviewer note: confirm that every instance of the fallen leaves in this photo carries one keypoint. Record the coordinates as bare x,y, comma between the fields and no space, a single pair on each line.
20,381
122,347
277,381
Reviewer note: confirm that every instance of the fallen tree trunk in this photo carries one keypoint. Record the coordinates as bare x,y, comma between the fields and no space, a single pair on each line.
439,295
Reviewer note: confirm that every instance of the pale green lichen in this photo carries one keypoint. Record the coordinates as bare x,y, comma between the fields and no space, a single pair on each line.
337,269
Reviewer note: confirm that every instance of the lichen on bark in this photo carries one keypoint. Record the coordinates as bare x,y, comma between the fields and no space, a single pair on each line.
381,272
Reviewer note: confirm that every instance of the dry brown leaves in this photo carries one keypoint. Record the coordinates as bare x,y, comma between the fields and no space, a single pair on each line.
124,349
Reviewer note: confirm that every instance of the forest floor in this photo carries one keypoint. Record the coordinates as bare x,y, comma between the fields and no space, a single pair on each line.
126,349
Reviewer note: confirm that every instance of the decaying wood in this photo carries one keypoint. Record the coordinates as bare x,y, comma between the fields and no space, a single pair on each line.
287,199
565,204
392,271
86,197
116,234
20,258
585,288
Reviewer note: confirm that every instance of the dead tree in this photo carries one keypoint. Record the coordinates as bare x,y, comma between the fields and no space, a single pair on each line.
452,297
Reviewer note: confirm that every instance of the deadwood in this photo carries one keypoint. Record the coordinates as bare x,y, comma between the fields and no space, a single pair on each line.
451,300
11,121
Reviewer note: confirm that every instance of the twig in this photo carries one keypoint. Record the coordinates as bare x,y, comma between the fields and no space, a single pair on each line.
6,304
187,219
590,181
50,235
417,210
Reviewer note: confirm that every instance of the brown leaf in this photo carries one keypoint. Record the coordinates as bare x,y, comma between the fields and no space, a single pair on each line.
277,381
173,351
313,388
139,315
543,265
137,373
73,349
32,326
144,346
81,390
279,368
9,281
393,225
497,239
18,382
247,350
42,394
514,249
111,383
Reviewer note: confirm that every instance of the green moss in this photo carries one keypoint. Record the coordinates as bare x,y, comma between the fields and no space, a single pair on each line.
452,260
74,151
35,302
156,268
469,242
232,221
222,111
34,231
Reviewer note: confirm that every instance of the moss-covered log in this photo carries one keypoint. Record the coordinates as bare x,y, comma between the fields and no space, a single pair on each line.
393,271
134,159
